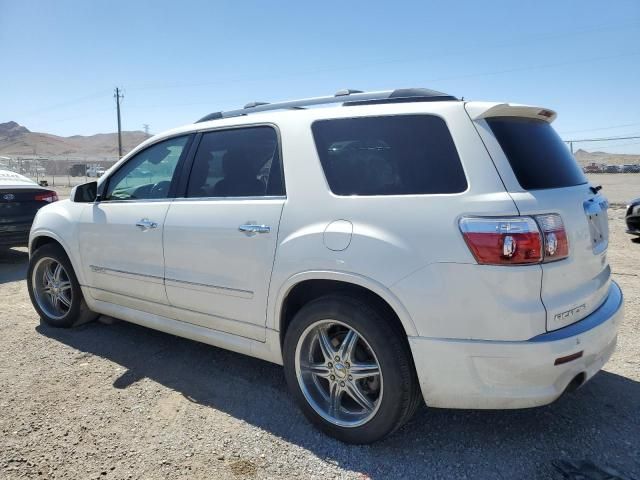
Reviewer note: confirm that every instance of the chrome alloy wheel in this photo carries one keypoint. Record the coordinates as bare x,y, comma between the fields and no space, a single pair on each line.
52,288
338,373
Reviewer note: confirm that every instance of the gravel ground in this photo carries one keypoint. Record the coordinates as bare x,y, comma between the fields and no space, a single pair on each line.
120,401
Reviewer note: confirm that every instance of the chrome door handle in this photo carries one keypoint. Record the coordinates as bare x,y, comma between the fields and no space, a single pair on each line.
146,224
250,228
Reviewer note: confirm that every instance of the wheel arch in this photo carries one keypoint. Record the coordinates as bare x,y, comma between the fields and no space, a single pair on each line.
43,238
304,287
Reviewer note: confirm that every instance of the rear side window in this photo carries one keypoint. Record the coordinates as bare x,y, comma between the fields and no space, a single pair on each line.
393,155
538,157
240,162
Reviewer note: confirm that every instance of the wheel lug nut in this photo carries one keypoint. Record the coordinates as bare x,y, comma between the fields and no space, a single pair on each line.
350,377
342,384
329,364
337,358
347,364
333,377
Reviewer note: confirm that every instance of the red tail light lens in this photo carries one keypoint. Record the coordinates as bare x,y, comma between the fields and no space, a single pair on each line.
47,197
556,245
503,241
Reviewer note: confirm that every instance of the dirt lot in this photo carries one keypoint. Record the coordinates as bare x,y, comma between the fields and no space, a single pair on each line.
120,401
619,188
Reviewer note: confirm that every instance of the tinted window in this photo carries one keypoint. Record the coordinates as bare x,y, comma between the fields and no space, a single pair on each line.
395,155
148,174
241,162
538,157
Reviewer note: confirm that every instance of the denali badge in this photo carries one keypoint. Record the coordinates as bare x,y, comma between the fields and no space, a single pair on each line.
570,313
8,197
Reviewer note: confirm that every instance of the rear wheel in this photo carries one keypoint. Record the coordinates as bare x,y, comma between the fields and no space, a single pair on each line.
54,288
350,369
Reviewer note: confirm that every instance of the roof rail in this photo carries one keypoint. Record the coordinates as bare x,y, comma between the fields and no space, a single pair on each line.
347,97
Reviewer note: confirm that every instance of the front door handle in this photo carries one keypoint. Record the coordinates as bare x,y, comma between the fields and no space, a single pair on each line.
146,224
251,228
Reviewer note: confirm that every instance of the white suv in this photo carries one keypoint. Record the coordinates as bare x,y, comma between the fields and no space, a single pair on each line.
396,246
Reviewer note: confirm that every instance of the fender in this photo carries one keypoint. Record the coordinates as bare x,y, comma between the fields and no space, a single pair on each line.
41,232
276,300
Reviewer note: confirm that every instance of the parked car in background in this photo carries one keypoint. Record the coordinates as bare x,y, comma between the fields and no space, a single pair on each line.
95,171
78,170
20,200
612,169
593,168
632,218
397,246
630,168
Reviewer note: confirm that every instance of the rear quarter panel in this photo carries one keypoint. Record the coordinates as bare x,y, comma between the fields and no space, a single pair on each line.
401,244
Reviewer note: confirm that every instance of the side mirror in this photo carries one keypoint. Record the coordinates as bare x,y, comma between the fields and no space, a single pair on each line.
85,193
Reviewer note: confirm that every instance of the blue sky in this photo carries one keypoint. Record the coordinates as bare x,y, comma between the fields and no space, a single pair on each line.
177,61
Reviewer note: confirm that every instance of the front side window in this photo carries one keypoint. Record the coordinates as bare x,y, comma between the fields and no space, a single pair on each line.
148,174
392,155
240,162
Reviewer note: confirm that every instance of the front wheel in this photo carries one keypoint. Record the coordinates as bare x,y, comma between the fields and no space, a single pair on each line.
54,288
350,369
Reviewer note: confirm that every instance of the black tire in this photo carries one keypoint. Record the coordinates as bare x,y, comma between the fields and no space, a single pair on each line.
401,394
78,313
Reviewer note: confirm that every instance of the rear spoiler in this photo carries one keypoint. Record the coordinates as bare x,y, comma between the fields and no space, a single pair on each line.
481,110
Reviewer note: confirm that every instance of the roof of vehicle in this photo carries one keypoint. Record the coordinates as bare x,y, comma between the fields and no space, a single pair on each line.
346,97
346,103
13,179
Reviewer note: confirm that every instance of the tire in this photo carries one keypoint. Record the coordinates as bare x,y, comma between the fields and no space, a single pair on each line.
390,397
44,261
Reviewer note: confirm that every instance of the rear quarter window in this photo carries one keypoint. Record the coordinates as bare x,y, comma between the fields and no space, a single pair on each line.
537,155
390,155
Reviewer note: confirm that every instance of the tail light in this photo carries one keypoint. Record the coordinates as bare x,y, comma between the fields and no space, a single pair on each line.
556,245
515,240
47,197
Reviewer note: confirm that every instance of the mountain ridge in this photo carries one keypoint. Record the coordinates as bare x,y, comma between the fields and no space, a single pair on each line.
17,140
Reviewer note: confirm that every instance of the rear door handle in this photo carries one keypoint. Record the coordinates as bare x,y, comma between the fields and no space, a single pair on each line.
251,228
146,224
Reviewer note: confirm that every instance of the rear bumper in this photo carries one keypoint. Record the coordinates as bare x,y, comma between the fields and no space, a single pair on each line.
14,235
480,374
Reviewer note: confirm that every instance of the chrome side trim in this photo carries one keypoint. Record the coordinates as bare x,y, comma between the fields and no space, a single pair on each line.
236,292
126,274
132,200
608,309
204,287
224,199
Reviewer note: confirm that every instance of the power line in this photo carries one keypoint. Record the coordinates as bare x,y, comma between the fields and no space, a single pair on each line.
601,139
600,128
379,62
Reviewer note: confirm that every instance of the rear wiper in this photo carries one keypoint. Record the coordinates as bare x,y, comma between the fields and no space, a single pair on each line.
596,189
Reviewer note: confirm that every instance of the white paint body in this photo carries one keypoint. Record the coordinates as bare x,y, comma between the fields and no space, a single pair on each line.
470,326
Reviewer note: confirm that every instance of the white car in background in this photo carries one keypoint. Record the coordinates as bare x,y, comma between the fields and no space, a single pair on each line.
400,246
95,171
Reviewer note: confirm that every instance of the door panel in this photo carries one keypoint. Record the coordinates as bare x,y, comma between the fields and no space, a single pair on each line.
120,257
120,236
220,237
212,267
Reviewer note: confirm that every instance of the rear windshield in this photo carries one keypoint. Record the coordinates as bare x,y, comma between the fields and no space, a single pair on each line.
538,157
392,155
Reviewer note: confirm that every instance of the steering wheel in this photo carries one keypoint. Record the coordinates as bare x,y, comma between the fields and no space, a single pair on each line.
160,189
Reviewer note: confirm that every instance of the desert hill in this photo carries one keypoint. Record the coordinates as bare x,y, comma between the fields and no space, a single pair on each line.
17,140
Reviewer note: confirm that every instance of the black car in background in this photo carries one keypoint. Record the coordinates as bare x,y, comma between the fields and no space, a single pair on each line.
633,218
20,200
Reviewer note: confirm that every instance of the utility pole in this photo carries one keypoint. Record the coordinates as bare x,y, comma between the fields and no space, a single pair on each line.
118,96
146,128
